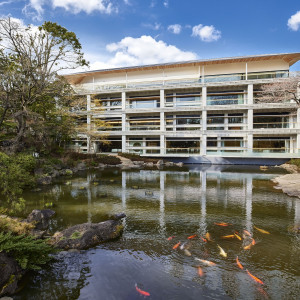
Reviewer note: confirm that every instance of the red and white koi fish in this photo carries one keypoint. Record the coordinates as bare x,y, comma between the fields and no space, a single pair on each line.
222,252
205,262
144,293
170,238
255,278
247,232
200,272
261,230
203,239
192,236
238,263
176,245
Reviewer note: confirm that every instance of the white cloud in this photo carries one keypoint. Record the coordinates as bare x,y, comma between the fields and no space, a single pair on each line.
34,8
5,2
166,3
155,26
206,33
175,28
294,21
144,50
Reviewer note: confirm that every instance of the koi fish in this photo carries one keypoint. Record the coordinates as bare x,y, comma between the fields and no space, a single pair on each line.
200,272
222,252
205,262
203,239
182,246
238,263
261,230
238,237
208,237
187,252
228,236
222,224
192,236
249,245
176,245
170,238
247,232
255,278
144,293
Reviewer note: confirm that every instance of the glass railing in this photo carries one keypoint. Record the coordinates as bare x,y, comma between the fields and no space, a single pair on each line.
274,125
182,150
183,81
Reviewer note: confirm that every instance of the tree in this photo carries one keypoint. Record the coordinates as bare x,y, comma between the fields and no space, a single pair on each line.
33,97
283,90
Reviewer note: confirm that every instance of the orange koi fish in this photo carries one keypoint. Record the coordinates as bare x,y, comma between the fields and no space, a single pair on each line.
170,238
203,239
176,245
222,224
200,272
249,245
141,291
192,236
247,232
205,262
261,230
238,263
255,278
208,237
253,242
228,236
238,237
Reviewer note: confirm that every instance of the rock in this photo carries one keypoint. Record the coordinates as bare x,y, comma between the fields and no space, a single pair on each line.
6,298
41,218
10,274
160,162
290,168
263,168
44,179
81,166
180,164
169,164
289,183
149,164
54,173
138,163
87,235
100,165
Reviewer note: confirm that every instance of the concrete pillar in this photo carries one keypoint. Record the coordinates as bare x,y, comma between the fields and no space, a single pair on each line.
250,94
162,98
123,143
203,145
162,144
204,120
226,121
250,119
250,143
204,95
298,134
123,100
162,121
124,122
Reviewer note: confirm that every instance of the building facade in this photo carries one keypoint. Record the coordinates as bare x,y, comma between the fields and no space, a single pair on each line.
196,111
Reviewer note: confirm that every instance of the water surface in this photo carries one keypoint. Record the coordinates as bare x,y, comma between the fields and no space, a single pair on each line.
180,203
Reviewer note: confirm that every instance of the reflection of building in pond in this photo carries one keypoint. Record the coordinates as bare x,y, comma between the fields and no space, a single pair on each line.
205,110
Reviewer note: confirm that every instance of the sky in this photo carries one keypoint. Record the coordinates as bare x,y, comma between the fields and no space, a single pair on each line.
119,33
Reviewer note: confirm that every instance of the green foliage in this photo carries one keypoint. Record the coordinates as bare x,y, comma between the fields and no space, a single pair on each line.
90,159
76,235
28,252
295,161
14,225
15,175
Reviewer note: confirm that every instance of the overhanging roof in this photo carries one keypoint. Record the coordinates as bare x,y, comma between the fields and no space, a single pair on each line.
290,58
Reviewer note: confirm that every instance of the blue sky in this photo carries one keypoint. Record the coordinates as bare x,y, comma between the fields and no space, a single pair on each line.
134,32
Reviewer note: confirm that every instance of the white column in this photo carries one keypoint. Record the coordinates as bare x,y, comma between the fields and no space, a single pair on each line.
123,143
250,143
226,121
123,122
250,119
162,121
298,134
204,120
162,144
203,144
123,100
250,129
250,94
204,95
162,98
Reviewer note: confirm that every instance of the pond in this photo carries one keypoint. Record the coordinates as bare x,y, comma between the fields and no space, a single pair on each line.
163,208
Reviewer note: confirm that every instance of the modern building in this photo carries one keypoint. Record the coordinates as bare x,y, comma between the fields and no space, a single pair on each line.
194,111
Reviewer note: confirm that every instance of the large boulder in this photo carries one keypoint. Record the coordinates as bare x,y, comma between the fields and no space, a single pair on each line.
10,274
87,235
40,218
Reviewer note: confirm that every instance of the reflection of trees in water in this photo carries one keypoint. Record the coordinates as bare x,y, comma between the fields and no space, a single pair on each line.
62,280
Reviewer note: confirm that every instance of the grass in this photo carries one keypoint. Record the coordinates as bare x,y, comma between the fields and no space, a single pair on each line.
14,225
295,161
